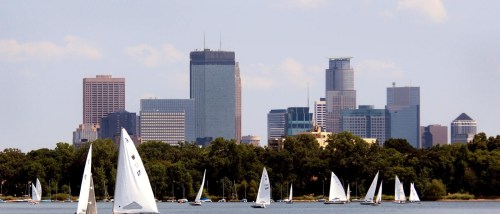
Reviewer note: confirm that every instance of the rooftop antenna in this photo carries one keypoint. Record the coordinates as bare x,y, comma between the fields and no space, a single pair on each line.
220,41
308,95
204,47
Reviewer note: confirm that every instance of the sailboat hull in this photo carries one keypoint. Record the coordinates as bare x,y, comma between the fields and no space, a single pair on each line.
198,203
259,206
367,203
335,202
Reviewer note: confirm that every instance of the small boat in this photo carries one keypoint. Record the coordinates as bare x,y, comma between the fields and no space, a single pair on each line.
399,193
86,200
413,194
133,193
36,192
378,200
337,194
290,195
371,192
348,194
264,193
197,200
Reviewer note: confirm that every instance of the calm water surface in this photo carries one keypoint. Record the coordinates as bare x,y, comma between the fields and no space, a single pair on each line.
274,208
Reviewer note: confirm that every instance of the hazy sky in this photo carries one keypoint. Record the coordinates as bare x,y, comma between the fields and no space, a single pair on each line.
448,48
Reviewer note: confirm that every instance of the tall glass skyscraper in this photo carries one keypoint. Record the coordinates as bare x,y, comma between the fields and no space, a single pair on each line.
340,93
215,86
403,105
276,122
298,119
365,122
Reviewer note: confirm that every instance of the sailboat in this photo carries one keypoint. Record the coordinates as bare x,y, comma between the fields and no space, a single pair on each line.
197,200
399,193
290,195
371,192
337,194
378,200
413,194
86,200
133,193
264,193
36,192
348,194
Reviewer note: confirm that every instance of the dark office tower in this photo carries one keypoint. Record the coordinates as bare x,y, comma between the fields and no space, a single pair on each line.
403,105
215,87
298,119
433,135
111,125
102,95
340,93
276,122
463,129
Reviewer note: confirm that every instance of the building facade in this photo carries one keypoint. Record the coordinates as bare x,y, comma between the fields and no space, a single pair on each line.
167,120
433,135
339,92
365,122
85,133
298,119
111,124
463,129
251,140
276,123
215,86
320,113
102,95
403,106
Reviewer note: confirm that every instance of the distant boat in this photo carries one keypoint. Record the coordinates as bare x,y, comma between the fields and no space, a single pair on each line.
399,193
337,194
133,193
413,194
378,200
371,192
36,192
197,200
86,200
264,193
348,194
290,195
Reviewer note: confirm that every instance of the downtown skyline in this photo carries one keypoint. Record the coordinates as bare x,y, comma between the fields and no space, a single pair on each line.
447,48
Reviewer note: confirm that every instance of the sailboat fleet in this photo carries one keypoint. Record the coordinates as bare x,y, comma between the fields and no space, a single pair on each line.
36,192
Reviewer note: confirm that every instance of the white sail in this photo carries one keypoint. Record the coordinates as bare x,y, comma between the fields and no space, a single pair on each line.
402,196
133,193
198,196
291,193
379,194
39,189
91,205
83,199
337,192
413,193
397,191
264,194
371,191
35,197
348,193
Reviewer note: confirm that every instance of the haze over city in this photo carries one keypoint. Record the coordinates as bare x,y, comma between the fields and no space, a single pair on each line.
447,48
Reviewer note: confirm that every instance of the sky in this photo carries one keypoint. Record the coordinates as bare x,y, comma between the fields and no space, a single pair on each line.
448,48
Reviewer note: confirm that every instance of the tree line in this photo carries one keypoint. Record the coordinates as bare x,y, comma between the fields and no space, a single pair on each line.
233,170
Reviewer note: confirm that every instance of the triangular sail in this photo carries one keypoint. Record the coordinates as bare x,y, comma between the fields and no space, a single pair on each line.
402,196
84,188
198,196
397,192
348,193
291,193
133,193
371,191
91,205
379,194
264,194
413,193
35,197
39,189
337,192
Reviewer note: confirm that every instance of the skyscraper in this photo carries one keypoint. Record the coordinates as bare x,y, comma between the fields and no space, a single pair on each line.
365,122
167,120
102,95
403,105
111,124
276,122
298,119
215,86
433,135
320,113
340,93
463,129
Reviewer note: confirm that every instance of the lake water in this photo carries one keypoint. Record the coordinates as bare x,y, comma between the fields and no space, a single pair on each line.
274,208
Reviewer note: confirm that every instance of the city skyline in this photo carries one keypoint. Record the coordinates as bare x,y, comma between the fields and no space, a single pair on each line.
447,48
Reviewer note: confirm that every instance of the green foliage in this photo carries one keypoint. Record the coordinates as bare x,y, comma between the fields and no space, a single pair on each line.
434,190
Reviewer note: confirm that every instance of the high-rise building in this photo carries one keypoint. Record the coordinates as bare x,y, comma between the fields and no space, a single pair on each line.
403,104
340,93
433,135
85,133
365,122
167,120
111,125
463,129
102,95
251,140
320,113
276,123
215,86
298,119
